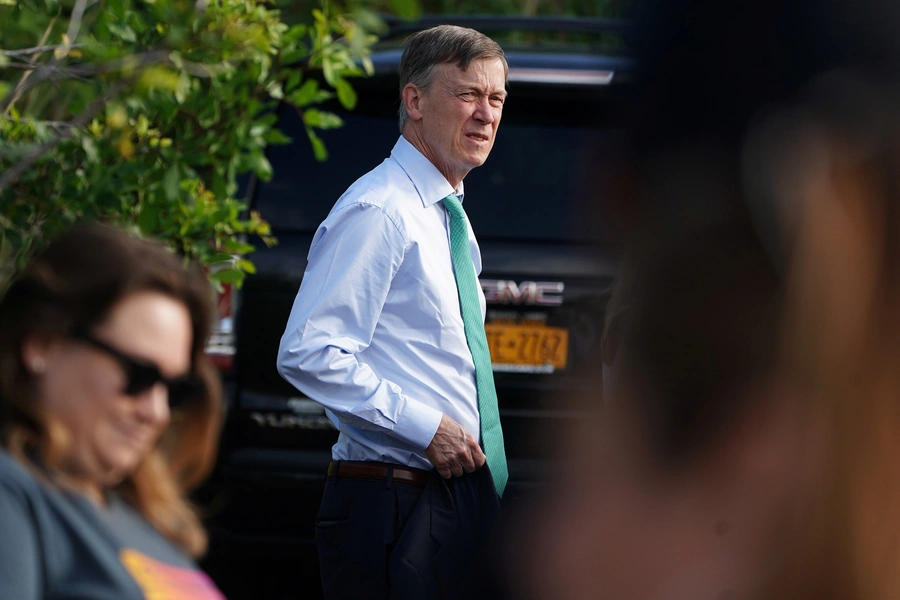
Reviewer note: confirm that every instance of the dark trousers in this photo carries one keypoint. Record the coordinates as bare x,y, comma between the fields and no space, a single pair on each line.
398,541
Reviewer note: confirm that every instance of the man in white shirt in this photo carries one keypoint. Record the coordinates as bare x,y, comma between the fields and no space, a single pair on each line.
376,333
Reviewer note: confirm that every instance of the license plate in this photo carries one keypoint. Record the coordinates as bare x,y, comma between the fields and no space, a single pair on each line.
527,348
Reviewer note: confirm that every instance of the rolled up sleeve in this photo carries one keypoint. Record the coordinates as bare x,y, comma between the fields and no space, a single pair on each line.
353,258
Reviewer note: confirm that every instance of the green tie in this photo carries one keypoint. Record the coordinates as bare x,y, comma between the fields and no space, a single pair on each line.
466,285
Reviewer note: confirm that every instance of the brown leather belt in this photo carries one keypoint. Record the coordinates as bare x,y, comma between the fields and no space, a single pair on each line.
377,472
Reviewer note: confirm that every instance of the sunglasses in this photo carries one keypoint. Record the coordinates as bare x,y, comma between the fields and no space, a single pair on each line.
141,375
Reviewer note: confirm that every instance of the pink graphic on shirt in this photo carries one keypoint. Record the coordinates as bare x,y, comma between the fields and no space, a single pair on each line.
161,581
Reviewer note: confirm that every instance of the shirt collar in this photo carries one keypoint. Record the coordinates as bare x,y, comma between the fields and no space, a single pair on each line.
431,185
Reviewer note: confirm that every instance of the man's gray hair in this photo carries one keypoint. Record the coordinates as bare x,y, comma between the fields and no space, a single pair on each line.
427,49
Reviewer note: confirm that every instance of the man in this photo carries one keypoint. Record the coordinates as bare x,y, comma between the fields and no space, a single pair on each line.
387,332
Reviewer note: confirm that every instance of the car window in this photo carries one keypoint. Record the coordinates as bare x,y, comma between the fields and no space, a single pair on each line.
537,183
540,179
303,190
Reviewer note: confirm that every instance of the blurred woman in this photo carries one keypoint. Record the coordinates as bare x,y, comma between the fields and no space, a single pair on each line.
109,415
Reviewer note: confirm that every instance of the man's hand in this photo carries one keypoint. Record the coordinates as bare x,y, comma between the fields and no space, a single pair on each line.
453,450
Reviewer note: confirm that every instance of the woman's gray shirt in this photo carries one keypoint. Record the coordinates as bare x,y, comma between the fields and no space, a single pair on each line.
58,545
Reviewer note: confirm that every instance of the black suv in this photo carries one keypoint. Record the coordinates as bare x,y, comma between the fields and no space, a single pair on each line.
548,264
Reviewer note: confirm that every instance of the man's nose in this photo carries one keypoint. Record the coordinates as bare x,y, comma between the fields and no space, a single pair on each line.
484,112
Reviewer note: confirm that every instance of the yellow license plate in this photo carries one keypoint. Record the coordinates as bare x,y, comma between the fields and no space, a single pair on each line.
527,348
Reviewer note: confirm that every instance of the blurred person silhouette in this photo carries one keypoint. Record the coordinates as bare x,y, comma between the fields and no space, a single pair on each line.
109,414
749,442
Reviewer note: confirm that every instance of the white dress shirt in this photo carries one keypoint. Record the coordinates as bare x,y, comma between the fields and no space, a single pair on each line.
375,334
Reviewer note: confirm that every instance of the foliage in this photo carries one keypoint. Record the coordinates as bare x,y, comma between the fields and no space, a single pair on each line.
411,9
146,113
559,8
610,41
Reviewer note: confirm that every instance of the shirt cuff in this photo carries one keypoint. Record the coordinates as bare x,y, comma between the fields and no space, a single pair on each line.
418,423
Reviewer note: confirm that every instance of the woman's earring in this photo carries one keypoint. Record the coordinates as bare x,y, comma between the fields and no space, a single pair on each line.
38,365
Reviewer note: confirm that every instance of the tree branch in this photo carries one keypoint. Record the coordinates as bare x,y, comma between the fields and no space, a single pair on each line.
54,72
13,173
77,16
72,34
17,92
53,124
39,49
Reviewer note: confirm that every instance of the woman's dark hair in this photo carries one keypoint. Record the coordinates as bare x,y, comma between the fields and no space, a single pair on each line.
710,246
73,286
701,332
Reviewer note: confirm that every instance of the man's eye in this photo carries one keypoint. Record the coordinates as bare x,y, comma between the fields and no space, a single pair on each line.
468,95
496,100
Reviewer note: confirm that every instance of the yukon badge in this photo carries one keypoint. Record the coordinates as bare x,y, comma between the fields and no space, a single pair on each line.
533,293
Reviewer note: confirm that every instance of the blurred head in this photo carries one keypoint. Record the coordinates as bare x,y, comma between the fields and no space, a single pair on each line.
97,383
452,87
103,378
751,430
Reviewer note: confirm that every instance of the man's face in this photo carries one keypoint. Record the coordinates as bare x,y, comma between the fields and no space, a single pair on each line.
460,113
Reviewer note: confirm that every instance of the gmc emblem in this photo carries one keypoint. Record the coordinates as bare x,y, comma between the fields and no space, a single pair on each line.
536,293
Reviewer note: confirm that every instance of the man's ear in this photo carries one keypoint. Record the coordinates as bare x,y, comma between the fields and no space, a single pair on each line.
412,99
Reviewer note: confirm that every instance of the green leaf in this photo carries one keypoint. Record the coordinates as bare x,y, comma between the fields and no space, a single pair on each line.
368,20
295,55
234,246
267,119
322,96
219,186
275,137
246,265
90,149
235,276
148,219
312,117
254,107
406,9
346,94
330,121
328,71
295,33
292,81
159,77
182,88
321,119
305,94
368,65
319,150
170,182
123,32
275,90
261,166
210,114
220,257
